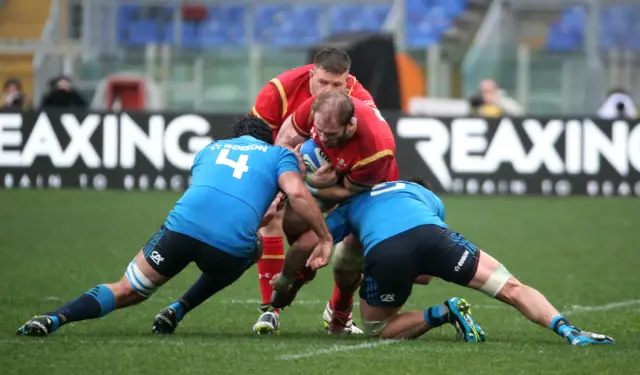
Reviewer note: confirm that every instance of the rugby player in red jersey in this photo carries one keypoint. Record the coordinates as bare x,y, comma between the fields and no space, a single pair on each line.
361,147
276,102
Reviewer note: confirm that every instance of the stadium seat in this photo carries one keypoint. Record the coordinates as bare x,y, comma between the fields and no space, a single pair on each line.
345,18
426,21
618,28
224,26
138,25
287,25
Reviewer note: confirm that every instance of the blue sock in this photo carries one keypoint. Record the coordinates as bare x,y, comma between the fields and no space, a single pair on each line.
436,316
205,287
179,308
97,302
561,326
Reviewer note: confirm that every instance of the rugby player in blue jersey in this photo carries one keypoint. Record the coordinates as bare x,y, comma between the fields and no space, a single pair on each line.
214,224
402,229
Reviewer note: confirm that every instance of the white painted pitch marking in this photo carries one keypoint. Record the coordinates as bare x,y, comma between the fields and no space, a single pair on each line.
574,309
368,345
336,349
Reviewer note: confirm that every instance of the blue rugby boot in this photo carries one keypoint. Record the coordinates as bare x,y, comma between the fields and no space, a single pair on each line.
578,337
460,317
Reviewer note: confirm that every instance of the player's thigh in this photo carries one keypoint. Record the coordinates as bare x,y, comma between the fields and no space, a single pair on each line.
491,276
445,254
162,257
222,268
349,255
274,228
388,276
169,252
293,224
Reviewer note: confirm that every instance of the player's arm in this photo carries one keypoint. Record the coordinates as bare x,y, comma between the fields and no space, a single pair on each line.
269,106
298,196
358,180
303,204
338,193
288,137
296,128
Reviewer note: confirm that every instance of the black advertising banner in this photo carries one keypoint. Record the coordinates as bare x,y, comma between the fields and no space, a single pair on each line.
154,151
521,156
132,151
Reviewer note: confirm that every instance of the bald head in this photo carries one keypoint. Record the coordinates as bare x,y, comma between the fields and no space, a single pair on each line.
333,118
335,104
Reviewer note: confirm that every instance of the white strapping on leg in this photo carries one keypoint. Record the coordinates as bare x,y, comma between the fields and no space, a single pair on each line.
139,282
496,281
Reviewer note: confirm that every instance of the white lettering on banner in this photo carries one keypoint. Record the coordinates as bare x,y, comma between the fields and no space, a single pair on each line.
53,181
472,151
159,144
10,136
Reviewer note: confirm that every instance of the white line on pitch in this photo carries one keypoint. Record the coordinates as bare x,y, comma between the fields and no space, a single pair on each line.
342,348
574,309
337,348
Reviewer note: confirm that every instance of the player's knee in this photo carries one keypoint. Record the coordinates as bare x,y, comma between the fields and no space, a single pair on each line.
511,292
347,258
135,282
374,329
122,290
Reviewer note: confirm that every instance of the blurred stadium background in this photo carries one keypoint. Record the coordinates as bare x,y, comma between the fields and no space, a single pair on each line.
552,56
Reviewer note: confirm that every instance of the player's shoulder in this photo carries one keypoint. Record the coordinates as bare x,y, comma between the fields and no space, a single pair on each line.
292,79
283,152
356,90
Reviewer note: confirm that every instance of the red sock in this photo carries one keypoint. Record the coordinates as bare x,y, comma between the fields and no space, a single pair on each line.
269,265
341,301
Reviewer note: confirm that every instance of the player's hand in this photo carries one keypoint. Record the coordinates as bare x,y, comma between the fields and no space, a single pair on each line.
324,177
321,255
280,284
276,205
301,164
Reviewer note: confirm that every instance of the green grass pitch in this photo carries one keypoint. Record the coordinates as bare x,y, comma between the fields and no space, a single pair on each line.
582,253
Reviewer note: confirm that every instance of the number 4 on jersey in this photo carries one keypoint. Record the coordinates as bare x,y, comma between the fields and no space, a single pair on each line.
239,167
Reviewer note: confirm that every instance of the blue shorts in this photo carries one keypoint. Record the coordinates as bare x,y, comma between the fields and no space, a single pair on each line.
391,266
169,252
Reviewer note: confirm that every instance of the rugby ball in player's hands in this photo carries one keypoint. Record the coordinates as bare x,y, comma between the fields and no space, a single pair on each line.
313,156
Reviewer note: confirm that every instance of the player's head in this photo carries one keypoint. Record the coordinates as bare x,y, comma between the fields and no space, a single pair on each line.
333,118
254,127
330,71
420,181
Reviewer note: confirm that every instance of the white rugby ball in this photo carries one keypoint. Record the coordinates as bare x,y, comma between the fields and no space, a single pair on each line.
313,156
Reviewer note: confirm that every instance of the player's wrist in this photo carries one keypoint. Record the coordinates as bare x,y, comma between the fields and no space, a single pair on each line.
313,190
284,281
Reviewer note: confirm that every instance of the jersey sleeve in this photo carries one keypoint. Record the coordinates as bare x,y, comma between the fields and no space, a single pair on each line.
441,212
268,105
337,223
371,170
359,92
287,162
302,118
